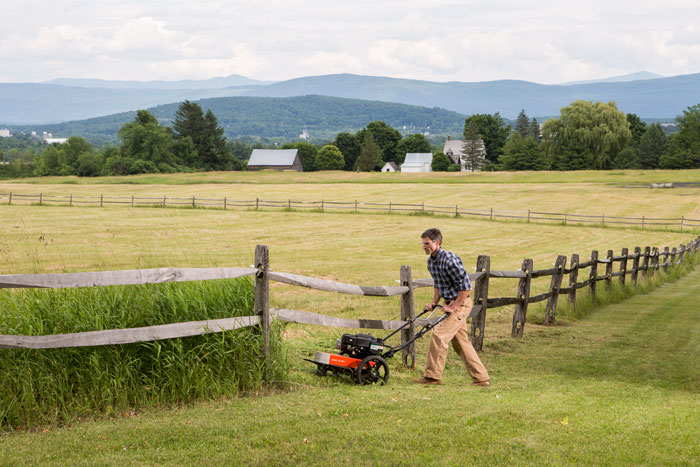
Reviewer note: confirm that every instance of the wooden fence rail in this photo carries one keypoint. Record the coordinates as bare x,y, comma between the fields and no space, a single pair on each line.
650,262
352,206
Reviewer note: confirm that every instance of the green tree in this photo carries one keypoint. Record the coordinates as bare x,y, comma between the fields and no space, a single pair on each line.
522,125
307,153
386,138
329,157
206,135
652,145
684,145
535,130
145,139
522,154
637,128
493,131
349,145
369,152
473,150
601,129
441,163
416,143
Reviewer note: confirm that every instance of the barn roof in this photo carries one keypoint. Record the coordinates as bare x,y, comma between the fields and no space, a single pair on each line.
273,157
417,159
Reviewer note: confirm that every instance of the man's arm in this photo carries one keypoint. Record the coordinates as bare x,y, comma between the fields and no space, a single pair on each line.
457,302
436,300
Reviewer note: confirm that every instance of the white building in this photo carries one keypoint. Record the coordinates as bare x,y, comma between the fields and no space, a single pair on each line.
390,167
454,150
417,162
5,133
48,137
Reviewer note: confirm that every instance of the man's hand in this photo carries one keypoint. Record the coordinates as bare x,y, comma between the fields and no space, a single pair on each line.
429,307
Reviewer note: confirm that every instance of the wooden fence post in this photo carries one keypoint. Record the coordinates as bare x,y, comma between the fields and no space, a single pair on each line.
407,313
257,203
224,203
554,286
10,199
523,295
665,253
573,277
594,273
193,203
645,262
481,293
654,260
674,251
681,253
623,265
262,298
609,270
41,198
70,201
101,200
132,201
164,200
635,264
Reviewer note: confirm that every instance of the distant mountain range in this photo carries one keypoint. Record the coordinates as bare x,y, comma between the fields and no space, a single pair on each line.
68,99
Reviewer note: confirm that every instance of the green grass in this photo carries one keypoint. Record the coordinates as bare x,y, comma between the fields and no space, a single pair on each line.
61,385
617,387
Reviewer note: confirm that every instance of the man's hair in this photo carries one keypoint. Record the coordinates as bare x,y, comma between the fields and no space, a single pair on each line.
433,234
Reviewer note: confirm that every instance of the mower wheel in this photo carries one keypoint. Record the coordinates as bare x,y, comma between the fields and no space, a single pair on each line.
372,369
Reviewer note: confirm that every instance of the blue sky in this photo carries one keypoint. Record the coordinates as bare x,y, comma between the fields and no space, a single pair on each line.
541,41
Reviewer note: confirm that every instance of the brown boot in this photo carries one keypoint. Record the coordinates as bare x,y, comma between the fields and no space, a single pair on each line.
426,380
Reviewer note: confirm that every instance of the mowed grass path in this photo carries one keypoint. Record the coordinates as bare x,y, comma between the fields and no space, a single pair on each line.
620,387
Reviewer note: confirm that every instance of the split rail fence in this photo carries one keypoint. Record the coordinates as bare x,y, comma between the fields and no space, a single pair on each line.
346,206
644,262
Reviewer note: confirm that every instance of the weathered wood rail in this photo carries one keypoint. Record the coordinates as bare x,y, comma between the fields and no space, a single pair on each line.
347,206
645,262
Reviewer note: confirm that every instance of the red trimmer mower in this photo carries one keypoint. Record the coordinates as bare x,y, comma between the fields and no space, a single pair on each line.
363,357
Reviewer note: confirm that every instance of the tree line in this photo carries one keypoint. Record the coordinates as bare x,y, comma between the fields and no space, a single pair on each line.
585,136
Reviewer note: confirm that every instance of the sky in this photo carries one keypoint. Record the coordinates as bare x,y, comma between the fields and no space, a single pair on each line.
543,41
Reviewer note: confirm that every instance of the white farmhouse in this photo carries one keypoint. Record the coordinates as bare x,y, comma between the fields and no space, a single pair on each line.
417,162
454,150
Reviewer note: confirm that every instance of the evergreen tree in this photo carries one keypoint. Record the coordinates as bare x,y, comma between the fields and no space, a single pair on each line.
206,135
385,137
535,130
522,125
684,146
369,153
652,145
473,151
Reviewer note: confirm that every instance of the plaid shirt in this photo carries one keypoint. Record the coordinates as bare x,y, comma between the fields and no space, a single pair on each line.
449,275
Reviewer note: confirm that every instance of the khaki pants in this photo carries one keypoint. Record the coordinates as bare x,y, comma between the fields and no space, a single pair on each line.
454,329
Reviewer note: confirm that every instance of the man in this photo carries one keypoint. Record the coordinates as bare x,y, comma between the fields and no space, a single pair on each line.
451,282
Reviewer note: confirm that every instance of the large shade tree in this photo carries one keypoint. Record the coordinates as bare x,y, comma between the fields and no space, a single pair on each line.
493,131
598,129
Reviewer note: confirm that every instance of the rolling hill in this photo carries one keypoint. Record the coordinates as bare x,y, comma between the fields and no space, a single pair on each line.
272,117
67,100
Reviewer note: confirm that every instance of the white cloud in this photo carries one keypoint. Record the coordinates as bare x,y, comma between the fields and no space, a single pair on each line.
550,41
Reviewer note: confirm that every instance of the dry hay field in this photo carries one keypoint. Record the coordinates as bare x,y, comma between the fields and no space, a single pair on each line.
363,249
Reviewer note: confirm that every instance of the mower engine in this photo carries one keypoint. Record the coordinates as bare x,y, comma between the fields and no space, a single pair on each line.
360,345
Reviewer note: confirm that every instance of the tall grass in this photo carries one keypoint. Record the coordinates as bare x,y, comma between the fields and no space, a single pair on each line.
618,292
61,385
